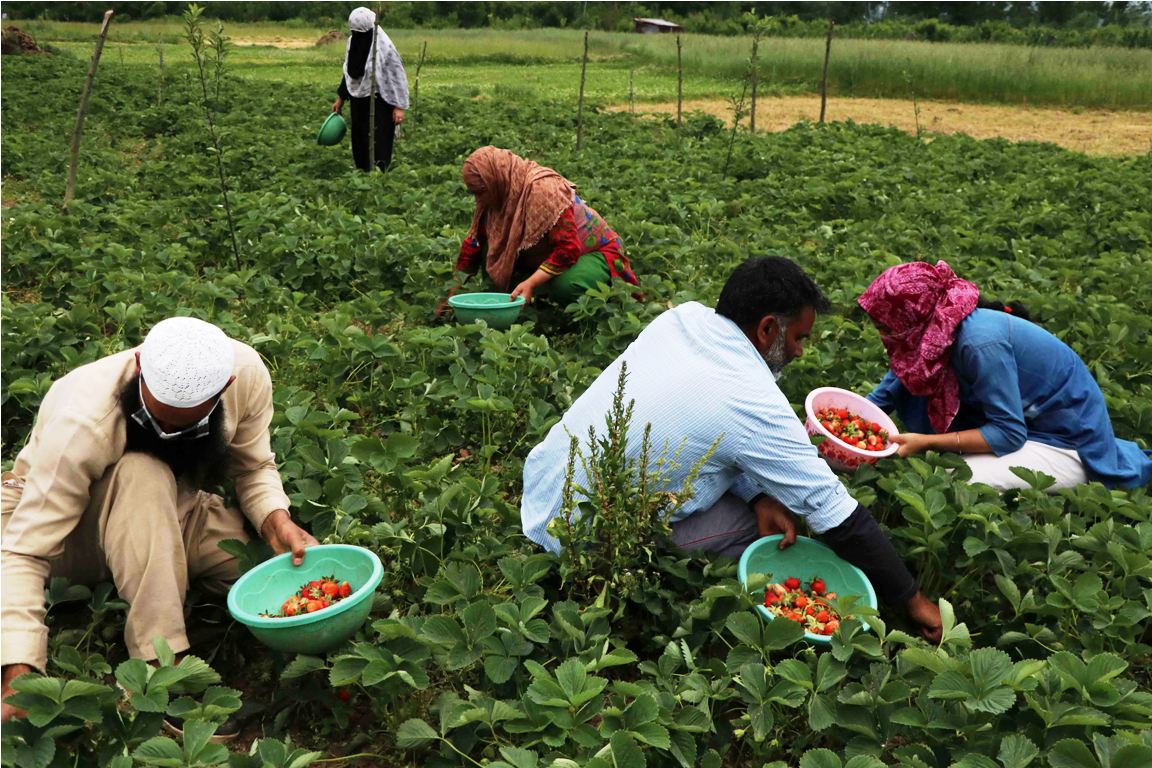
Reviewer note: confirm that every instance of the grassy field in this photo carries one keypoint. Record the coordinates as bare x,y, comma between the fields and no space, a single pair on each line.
476,62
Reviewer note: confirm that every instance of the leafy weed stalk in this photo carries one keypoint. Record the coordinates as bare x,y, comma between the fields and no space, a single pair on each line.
210,50
613,526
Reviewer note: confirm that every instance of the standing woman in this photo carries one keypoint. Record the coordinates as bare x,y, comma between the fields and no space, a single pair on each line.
533,233
356,85
992,386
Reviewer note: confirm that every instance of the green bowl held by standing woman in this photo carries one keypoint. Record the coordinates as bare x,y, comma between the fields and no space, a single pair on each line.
332,131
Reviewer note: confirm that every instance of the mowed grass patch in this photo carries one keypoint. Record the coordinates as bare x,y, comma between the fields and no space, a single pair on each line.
1110,78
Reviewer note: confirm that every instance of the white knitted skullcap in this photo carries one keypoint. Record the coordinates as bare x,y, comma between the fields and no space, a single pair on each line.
361,20
186,361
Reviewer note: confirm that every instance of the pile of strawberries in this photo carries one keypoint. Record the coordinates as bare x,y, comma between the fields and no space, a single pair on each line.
314,596
808,607
857,432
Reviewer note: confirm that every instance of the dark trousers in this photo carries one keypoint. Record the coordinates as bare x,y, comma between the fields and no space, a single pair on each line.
385,133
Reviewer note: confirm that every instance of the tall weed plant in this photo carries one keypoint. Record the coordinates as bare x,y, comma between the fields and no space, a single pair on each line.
613,525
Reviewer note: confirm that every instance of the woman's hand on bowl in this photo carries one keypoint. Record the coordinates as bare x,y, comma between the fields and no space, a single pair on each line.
911,443
338,104
524,289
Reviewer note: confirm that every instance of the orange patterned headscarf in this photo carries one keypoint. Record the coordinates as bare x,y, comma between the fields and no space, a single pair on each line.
523,201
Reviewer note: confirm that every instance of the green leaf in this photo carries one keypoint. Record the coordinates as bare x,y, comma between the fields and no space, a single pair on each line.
820,758
781,634
160,751
414,733
499,669
1104,666
625,752
865,761
442,630
796,672
196,675
821,712
133,675
745,627
38,754
973,760
652,734
302,665
1069,753
479,621
1017,751
520,758
1132,756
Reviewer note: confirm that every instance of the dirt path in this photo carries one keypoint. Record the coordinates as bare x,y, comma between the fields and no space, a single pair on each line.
1092,131
275,42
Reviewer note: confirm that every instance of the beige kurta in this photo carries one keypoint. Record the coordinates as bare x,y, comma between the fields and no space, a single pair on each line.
78,439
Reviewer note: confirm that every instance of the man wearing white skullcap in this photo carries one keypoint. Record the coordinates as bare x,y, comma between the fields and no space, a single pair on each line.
116,482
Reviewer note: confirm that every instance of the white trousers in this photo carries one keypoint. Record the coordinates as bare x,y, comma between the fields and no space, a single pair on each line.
1061,463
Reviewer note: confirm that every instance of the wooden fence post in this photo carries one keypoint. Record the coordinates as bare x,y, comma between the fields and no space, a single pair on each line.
580,105
824,77
82,110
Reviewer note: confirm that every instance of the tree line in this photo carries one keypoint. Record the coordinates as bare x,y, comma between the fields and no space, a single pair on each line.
1052,23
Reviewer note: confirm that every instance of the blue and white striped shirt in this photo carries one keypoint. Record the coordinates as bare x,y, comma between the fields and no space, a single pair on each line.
694,376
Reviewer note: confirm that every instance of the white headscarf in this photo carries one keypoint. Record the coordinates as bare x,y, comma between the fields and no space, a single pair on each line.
391,80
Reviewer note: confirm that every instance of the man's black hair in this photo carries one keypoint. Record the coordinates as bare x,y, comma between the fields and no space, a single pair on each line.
768,285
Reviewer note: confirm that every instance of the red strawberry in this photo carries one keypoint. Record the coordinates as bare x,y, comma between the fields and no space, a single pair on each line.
343,694
330,588
345,589
315,605
792,583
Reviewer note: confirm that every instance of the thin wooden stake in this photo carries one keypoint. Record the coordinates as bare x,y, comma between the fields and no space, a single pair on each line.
679,84
580,105
160,82
372,99
824,77
82,110
416,84
753,68
631,94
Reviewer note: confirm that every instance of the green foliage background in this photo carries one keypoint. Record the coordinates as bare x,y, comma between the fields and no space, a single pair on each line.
408,436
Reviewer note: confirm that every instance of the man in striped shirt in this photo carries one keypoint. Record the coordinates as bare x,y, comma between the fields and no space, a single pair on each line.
696,374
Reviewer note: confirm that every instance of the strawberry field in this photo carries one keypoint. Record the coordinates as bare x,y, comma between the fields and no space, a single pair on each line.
406,435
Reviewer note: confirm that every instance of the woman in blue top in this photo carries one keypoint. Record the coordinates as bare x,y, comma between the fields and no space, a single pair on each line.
993,386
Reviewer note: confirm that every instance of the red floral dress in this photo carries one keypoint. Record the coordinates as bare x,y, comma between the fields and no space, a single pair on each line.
580,230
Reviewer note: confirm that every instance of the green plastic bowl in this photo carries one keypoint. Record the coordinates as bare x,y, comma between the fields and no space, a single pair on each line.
493,308
805,559
268,585
332,131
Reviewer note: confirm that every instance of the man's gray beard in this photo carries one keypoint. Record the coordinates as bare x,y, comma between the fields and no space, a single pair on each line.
776,356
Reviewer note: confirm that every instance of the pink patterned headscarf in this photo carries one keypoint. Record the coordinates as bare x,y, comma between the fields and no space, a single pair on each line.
917,307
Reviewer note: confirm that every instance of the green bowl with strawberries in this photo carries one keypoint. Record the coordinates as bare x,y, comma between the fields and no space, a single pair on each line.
806,560
262,590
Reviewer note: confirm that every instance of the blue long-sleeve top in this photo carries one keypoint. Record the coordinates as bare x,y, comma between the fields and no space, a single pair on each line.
1018,382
